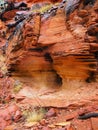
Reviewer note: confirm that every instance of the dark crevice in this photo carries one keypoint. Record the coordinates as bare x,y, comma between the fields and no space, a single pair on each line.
58,80
48,57
92,74
92,65
38,49
96,55
11,25
11,70
16,48
86,2
92,77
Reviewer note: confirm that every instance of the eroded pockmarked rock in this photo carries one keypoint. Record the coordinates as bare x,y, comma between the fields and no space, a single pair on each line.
52,47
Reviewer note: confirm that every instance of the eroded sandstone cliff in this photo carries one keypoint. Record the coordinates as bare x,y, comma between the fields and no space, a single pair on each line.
49,58
53,48
50,52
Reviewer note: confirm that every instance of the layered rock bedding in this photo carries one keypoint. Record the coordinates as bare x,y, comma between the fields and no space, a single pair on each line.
48,58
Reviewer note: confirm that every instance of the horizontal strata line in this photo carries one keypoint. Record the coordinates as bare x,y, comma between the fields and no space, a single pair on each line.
86,58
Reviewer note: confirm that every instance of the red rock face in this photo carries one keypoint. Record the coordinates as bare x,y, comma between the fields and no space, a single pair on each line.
53,48
34,1
49,44
49,52
54,56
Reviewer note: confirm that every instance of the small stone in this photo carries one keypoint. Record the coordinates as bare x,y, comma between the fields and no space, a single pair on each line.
12,109
1,75
8,98
62,129
71,116
30,124
46,128
35,128
3,124
5,114
82,125
17,115
51,112
82,13
10,127
40,127
94,123
43,122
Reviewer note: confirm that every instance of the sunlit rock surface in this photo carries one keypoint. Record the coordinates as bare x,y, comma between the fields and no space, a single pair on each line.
53,48
48,59
34,1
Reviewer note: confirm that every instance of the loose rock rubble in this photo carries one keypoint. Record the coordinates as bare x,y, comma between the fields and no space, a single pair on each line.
8,115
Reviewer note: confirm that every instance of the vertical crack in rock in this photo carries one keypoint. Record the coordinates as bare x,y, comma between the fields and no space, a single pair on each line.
48,57
91,77
58,79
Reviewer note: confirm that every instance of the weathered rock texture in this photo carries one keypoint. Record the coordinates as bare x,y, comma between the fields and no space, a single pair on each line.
54,54
53,48
34,1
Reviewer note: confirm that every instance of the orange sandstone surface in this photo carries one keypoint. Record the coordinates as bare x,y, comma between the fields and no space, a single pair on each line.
49,59
51,52
53,55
